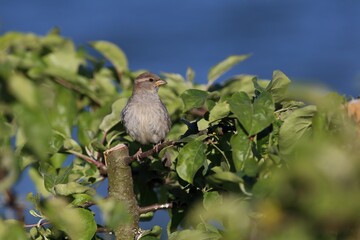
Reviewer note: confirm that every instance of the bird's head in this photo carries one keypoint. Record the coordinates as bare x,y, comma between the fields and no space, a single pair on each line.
148,82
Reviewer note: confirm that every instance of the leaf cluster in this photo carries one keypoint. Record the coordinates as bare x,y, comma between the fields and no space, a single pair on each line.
251,158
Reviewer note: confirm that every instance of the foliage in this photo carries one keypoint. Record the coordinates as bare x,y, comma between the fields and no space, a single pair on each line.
250,159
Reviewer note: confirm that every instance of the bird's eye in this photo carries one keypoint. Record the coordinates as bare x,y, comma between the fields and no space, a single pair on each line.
151,79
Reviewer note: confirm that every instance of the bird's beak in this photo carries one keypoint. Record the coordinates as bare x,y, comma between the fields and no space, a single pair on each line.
160,82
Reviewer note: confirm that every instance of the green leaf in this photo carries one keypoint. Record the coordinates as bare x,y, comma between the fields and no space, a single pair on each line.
219,111
209,198
296,126
219,176
203,124
173,76
193,98
191,158
241,148
153,234
81,199
257,86
54,176
113,118
78,223
263,112
222,67
114,212
194,234
241,106
238,83
11,229
278,86
190,74
9,168
113,53
65,58
36,128
66,189
253,117
62,111
38,180
71,145
19,85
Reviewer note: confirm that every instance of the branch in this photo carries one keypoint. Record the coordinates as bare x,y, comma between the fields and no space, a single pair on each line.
155,207
121,188
148,153
102,168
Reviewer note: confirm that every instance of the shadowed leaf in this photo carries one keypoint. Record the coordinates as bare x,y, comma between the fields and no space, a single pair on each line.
191,157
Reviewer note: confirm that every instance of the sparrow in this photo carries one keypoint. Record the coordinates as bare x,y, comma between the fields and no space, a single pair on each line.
145,116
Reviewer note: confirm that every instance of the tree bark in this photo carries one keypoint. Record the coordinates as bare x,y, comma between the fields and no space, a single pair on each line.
121,188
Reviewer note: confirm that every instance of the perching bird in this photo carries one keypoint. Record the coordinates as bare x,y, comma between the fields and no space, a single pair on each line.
145,117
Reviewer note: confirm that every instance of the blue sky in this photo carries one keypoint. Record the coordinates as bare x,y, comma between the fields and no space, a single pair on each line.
308,40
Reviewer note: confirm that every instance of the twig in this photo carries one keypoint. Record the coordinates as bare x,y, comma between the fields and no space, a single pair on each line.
148,153
101,229
99,165
155,207
36,224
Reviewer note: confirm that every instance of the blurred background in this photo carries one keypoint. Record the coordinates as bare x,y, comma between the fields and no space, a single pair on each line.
313,41
310,41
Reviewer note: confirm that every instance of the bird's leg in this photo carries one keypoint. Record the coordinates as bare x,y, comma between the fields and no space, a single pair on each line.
137,154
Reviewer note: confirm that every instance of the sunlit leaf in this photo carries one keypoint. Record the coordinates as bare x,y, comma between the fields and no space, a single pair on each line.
194,234
193,98
70,188
113,53
11,229
19,85
81,199
222,67
209,198
36,128
219,111
295,127
190,74
256,116
114,212
62,111
78,223
66,58
278,86
113,118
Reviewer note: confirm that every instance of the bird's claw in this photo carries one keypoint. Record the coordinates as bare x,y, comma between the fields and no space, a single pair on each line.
156,147
138,155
